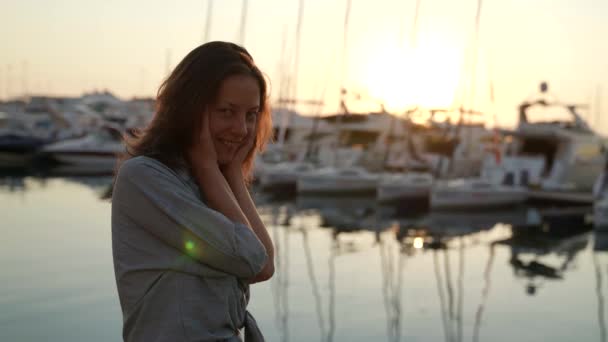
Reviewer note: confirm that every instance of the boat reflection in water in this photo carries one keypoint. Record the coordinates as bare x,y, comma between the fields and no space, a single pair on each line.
530,240
600,259
528,250
439,276
98,180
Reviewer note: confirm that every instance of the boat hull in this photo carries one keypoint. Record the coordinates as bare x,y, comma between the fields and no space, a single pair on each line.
336,187
560,197
105,160
475,199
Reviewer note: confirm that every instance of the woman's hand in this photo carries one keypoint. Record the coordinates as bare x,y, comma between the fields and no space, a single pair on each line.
235,167
202,154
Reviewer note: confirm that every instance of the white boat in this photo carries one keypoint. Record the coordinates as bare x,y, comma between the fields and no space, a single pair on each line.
475,194
600,215
283,176
98,149
338,181
17,144
18,150
569,152
600,205
405,187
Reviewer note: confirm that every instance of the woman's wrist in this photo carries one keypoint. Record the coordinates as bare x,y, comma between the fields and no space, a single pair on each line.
205,171
233,175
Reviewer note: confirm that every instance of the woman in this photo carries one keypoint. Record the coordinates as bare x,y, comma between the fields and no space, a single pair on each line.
187,239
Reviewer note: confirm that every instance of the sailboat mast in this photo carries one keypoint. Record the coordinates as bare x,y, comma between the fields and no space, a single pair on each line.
283,88
475,53
208,21
414,34
342,77
598,105
344,48
292,87
296,62
243,23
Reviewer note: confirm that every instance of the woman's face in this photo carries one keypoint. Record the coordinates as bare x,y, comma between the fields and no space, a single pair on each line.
234,115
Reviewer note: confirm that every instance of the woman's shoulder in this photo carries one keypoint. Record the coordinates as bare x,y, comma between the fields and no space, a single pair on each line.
142,163
144,169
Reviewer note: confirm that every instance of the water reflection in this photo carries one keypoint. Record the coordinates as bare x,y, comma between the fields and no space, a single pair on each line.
348,270
528,249
600,247
340,214
392,258
20,180
280,218
484,293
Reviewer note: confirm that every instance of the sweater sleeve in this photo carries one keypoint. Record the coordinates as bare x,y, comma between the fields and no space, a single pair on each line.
158,201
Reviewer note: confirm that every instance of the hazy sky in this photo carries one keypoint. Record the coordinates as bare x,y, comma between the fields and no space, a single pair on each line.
66,47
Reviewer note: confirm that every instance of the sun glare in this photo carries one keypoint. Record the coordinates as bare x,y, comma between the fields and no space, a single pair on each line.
400,79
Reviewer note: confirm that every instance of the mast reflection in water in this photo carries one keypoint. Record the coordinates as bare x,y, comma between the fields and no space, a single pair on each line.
345,270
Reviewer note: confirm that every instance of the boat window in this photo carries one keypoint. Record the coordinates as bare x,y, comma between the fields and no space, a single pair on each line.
548,114
362,138
546,148
525,177
509,179
588,151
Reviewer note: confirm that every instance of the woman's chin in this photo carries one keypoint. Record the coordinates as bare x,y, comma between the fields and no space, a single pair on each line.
224,161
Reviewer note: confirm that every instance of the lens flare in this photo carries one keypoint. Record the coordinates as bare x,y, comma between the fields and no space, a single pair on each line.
189,245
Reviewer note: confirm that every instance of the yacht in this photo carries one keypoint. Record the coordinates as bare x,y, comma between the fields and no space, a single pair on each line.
18,150
404,187
600,205
338,181
475,193
17,145
560,159
97,149
283,176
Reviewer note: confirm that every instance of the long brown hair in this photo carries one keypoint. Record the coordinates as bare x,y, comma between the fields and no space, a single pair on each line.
182,97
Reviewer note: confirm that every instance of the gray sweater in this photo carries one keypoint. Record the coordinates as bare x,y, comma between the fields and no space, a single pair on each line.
180,266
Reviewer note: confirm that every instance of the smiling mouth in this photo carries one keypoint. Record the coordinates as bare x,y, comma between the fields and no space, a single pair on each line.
230,143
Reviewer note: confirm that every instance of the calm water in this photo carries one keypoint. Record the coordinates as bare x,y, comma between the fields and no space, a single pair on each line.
343,274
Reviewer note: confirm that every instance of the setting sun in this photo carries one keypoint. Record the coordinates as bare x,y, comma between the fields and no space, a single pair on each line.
427,77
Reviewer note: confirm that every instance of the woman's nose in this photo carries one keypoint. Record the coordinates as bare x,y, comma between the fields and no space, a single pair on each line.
239,126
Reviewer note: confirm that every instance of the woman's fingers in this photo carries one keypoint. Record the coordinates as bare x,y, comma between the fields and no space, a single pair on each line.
205,131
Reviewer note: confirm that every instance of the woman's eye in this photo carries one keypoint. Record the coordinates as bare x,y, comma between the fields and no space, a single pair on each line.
252,115
225,111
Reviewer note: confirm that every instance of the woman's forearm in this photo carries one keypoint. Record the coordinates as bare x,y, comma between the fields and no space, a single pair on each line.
240,191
